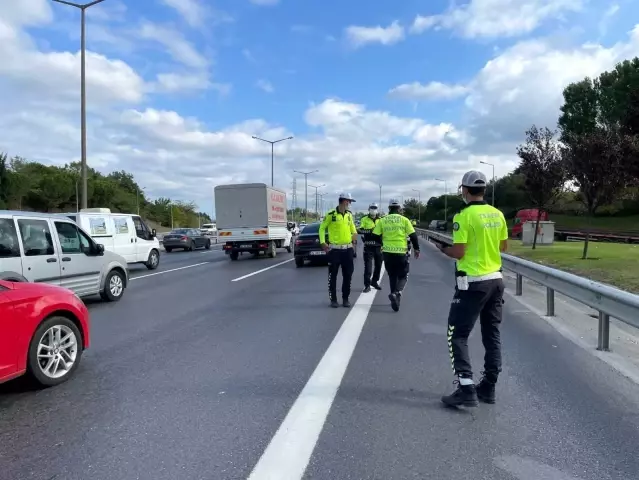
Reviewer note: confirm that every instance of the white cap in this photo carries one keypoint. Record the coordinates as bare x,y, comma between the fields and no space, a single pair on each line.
346,196
474,178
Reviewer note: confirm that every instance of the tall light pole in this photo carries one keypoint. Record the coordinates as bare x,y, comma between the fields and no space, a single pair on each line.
419,205
83,93
445,198
317,187
77,197
306,174
321,195
272,151
171,207
492,165
137,196
380,197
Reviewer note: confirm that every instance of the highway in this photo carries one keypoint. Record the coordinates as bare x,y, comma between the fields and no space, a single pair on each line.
218,370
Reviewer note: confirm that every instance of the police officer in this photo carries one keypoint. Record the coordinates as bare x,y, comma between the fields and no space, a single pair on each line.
372,249
393,230
342,235
480,233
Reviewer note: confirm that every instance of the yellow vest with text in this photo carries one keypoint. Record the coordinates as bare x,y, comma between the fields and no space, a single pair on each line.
394,228
340,228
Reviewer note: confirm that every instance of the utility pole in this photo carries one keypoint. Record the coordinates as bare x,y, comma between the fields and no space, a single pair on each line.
419,205
83,94
492,165
316,197
272,151
306,174
137,197
445,198
380,198
77,197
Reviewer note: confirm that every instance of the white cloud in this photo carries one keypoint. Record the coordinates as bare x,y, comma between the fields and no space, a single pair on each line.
246,53
193,11
431,91
496,18
265,85
362,36
177,46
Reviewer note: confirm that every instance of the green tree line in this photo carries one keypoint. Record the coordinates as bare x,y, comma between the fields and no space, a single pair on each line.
28,185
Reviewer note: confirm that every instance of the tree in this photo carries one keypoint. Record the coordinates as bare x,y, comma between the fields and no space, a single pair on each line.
544,170
594,163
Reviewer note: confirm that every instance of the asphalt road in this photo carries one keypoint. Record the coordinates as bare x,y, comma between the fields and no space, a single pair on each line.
193,375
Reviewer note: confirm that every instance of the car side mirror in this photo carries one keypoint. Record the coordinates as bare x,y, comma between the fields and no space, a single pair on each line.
154,233
99,248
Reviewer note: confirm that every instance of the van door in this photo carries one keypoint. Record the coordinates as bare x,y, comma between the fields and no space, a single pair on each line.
125,238
40,262
10,256
80,270
144,239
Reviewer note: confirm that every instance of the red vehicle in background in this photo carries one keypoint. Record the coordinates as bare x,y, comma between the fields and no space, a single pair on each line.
44,329
523,216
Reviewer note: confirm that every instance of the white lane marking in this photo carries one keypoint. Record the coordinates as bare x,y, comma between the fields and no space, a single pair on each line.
168,271
263,270
290,450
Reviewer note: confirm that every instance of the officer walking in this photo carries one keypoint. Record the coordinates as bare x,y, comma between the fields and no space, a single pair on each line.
342,235
372,249
393,230
480,233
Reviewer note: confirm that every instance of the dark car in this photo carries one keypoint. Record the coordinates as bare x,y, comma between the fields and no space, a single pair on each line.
307,246
186,239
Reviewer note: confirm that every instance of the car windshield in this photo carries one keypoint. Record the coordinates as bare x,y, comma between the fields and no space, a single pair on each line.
311,229
207,226
180,231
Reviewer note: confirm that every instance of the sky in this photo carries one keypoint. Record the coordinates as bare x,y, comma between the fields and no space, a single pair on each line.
407,95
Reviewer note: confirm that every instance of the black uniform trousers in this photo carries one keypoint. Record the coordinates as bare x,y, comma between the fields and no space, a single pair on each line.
484,300
337,258
397,268
372,264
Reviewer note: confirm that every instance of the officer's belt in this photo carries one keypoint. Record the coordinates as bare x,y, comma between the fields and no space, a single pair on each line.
483,278
341,247
373,243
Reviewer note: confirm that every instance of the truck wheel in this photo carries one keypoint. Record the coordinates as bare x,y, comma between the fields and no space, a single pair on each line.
272,250
299,262
153,260
289,249
234,255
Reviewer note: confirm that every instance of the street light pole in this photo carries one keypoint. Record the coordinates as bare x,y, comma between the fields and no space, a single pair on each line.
419,205
380,197
77,197
306,174
137,195
492,165
272,151
316,198
83,94
445,198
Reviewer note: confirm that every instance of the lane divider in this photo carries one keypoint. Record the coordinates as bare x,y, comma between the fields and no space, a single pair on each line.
167,271
263,270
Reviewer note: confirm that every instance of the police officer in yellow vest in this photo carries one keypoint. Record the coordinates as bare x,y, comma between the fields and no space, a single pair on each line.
372,249
480,234
393,230
342,235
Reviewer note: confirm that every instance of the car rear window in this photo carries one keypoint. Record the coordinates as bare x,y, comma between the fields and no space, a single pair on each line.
9,246
180,231
310,229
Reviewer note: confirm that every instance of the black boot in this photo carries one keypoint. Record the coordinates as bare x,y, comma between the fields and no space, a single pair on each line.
367,289
486,390
465,395
376,286
399,299
334,304
346,303
394,303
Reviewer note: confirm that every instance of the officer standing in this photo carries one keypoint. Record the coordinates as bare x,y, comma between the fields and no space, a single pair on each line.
342,235
372,249
393,230
480,233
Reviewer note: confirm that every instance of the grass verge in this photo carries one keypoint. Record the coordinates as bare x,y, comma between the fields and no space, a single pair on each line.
612,263
612,224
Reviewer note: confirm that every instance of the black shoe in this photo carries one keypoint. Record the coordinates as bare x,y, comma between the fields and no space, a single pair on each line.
465,395
399,299
394,303
376,286
367,289
486,391
346,303
334,304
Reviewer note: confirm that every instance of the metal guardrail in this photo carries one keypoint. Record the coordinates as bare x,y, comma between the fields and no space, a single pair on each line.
608,301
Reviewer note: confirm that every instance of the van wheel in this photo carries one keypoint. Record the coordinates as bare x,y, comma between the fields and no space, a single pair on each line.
234,255
208,245
272,251
113,287
51,361
154,260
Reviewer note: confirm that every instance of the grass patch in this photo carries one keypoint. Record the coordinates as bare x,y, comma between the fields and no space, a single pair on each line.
612,263
613,224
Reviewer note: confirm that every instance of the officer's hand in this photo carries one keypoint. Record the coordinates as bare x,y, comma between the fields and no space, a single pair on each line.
416,253
324,247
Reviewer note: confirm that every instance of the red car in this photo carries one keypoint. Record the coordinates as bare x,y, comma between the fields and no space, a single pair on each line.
44,329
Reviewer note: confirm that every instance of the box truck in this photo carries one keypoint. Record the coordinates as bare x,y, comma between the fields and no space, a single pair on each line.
251,218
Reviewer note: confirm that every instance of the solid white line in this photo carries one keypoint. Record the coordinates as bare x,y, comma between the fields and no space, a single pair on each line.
263,270
290,450
169,271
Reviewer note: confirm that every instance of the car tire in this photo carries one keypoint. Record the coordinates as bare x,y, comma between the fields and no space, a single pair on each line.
113,287
234,255
191,247
299,262
154,260
168,249
289,249
208,245
35,369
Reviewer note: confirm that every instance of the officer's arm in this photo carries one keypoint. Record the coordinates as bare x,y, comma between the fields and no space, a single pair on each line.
460,238
503,244
377,231
410,230
322,230
353,230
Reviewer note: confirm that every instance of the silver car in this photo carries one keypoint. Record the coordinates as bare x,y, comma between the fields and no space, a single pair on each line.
41,247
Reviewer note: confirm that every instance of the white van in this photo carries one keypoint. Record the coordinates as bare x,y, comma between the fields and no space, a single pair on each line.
122,233
209,229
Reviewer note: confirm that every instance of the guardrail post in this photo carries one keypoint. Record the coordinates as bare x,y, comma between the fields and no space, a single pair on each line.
603,340
519,285
550,302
